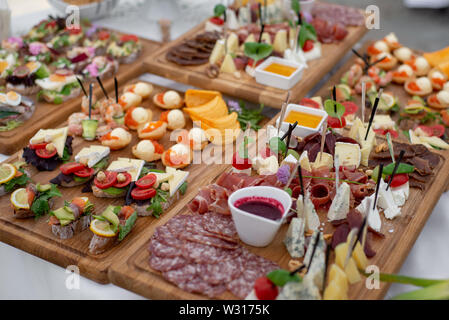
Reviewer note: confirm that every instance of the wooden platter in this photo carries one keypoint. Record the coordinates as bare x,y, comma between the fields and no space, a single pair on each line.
136,275
35,236
47,115
246,87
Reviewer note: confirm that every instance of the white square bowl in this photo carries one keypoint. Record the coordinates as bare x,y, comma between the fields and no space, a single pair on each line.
276,80
301,131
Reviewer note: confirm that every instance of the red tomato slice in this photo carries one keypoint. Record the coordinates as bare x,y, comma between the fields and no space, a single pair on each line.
308,45
428,130
129,37
103,35
438,130
38,146
265,289
307,102
380,131
143,194
111,178
398,180
336,123
147,182
240,163
44,153
124,183
393,133
71,167
85,172
217,21
350,107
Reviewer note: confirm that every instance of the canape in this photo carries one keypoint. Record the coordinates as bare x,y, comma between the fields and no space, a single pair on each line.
128,100
175,119
38,51
15,109
143,89
126,49
177,156
403,54
419,65
12,177
137,116
34,200
89,161
378,47
73,218
59,87
153,130
117,139
437,78
48,148
439,100
168,100
101,66
148,150
111,226
388,61
392,41
402,74
420,87
23,78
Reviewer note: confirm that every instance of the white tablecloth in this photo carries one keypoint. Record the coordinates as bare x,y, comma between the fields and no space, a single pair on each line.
23,276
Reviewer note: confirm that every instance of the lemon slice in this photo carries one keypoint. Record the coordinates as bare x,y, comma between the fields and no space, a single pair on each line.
102,228
386,101
7,172
19,199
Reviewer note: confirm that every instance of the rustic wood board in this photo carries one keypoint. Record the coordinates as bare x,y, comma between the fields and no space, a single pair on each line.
246,87
136,275
35,236
47,115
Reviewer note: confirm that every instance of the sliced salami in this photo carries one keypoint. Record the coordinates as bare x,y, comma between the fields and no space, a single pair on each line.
210,241
167,264
220,224
163,250
181,275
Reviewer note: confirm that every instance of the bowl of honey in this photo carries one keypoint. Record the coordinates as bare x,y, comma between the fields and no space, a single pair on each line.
279,73
310,120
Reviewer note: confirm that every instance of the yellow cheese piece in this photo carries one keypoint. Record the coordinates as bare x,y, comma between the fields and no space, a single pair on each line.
218,52
349,154
176,179
324,160
334,292
232,43
162,177
304,161
56,136
228,64
352,272
337,275
318,100
359,256
132,166
280,41
341,252
350,269
266,38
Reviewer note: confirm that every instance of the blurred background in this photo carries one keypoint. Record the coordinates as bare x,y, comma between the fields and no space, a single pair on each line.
420,24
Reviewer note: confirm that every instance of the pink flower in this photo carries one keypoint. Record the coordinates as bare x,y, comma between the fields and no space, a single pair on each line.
91,51
16,40
35,48
92,69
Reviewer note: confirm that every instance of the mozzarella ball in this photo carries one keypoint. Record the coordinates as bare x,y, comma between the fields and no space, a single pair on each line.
422,66
381,46
129,99
403,54
145,147
424,84
180,149
175,119
443,97
140,115
171,98
120,133
143,89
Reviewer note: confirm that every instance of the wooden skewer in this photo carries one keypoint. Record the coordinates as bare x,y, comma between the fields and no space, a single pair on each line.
323,139
284,108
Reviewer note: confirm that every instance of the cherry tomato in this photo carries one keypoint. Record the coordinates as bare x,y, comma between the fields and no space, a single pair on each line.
427,130
85,172
129,37
398,180
240,163
266,153
251,62
438,130
307,102
265,289
445,117
38,146
308,45
71,167
103,35
383,132
217,21
111,178
350,108
147,182
124,183
44,153
143,194
336,123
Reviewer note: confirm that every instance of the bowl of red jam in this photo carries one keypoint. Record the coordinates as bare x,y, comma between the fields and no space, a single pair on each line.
258,213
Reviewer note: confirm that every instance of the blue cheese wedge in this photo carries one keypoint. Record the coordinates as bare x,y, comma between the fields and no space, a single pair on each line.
312,221
386,202
374,220
294,240
304,290
400,194
349,154
340,205
317,266
92,155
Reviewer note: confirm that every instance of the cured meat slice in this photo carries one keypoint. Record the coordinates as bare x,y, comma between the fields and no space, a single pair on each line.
201,253
206,240
181,275
167,264
220,224
223,272
162,250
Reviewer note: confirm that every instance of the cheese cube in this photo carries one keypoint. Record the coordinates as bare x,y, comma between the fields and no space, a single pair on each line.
339,276
352,272
333,291
218,52
323,160
359,256
280,41
348,154
228,65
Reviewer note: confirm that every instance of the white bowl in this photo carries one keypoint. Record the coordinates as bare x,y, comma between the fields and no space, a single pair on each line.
252,229
89,11
301,131
276,80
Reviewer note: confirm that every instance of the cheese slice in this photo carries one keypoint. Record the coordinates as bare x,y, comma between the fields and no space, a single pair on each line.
280,41
177,179
304,161
374,220
324,160
228,64
349,154
162,177
132,166
340,205
93,154
56,136
311,217
218,52
232,43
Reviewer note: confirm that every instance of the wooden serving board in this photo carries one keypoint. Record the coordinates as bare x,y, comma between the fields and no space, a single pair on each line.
136,275
47,115
246,87
35,236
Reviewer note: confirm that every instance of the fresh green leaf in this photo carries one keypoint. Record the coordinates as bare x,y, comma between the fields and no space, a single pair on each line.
79,179
289,191
18,181
183,188
65,155
250,117
219,9
307,32
277,145
42,72
280,277
58,100
101,218
102,163
329,107
6,114
113,191
296,6
40,204
129,224
257,51
407,134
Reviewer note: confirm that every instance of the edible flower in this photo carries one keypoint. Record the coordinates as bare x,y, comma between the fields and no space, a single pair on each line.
92,69
283,174
35,48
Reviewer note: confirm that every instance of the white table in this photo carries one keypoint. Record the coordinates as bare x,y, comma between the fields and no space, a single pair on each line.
23,276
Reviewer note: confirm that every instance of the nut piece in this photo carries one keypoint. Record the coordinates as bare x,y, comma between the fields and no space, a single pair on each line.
121,177
165,186
293,264
381,147
84,161
101,176
369,172
50,147
212,71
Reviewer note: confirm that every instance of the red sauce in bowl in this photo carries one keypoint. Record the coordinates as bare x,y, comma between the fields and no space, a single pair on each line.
267,208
